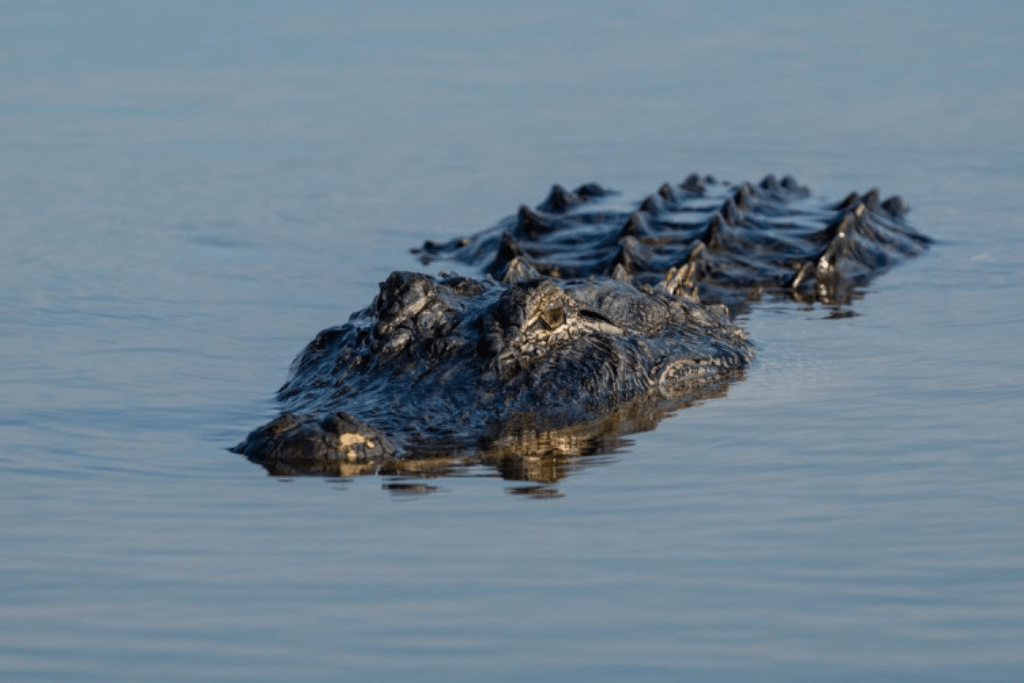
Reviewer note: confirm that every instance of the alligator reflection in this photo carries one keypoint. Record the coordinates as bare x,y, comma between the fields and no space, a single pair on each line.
524,453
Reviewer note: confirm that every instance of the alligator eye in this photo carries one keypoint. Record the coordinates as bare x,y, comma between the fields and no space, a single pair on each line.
552,317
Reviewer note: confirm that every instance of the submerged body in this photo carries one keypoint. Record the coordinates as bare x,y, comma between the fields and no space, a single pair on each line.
594,319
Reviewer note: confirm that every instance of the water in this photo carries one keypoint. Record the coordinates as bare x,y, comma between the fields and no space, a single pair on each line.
190,191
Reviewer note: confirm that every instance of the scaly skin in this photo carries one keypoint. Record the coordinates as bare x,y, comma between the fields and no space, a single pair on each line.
719,242
453,365
590,325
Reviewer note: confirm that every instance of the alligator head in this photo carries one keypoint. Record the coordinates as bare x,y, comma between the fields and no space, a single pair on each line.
450,363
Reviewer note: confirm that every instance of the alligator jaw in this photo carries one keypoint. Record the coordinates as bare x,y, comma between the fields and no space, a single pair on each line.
336,444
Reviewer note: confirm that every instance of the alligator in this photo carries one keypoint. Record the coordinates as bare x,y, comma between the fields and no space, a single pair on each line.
592,318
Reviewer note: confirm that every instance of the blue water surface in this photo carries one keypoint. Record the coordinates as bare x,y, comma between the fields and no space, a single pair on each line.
189,191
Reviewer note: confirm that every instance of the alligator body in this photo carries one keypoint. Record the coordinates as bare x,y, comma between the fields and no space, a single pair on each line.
713,241
594,319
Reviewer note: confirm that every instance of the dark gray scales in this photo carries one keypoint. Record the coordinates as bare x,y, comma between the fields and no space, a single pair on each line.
720,242
592,321
453,365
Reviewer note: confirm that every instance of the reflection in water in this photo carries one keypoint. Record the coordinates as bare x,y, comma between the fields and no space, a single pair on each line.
527,451
537,492
407,488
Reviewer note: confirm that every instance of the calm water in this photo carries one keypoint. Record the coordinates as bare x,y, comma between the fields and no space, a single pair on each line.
190,191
